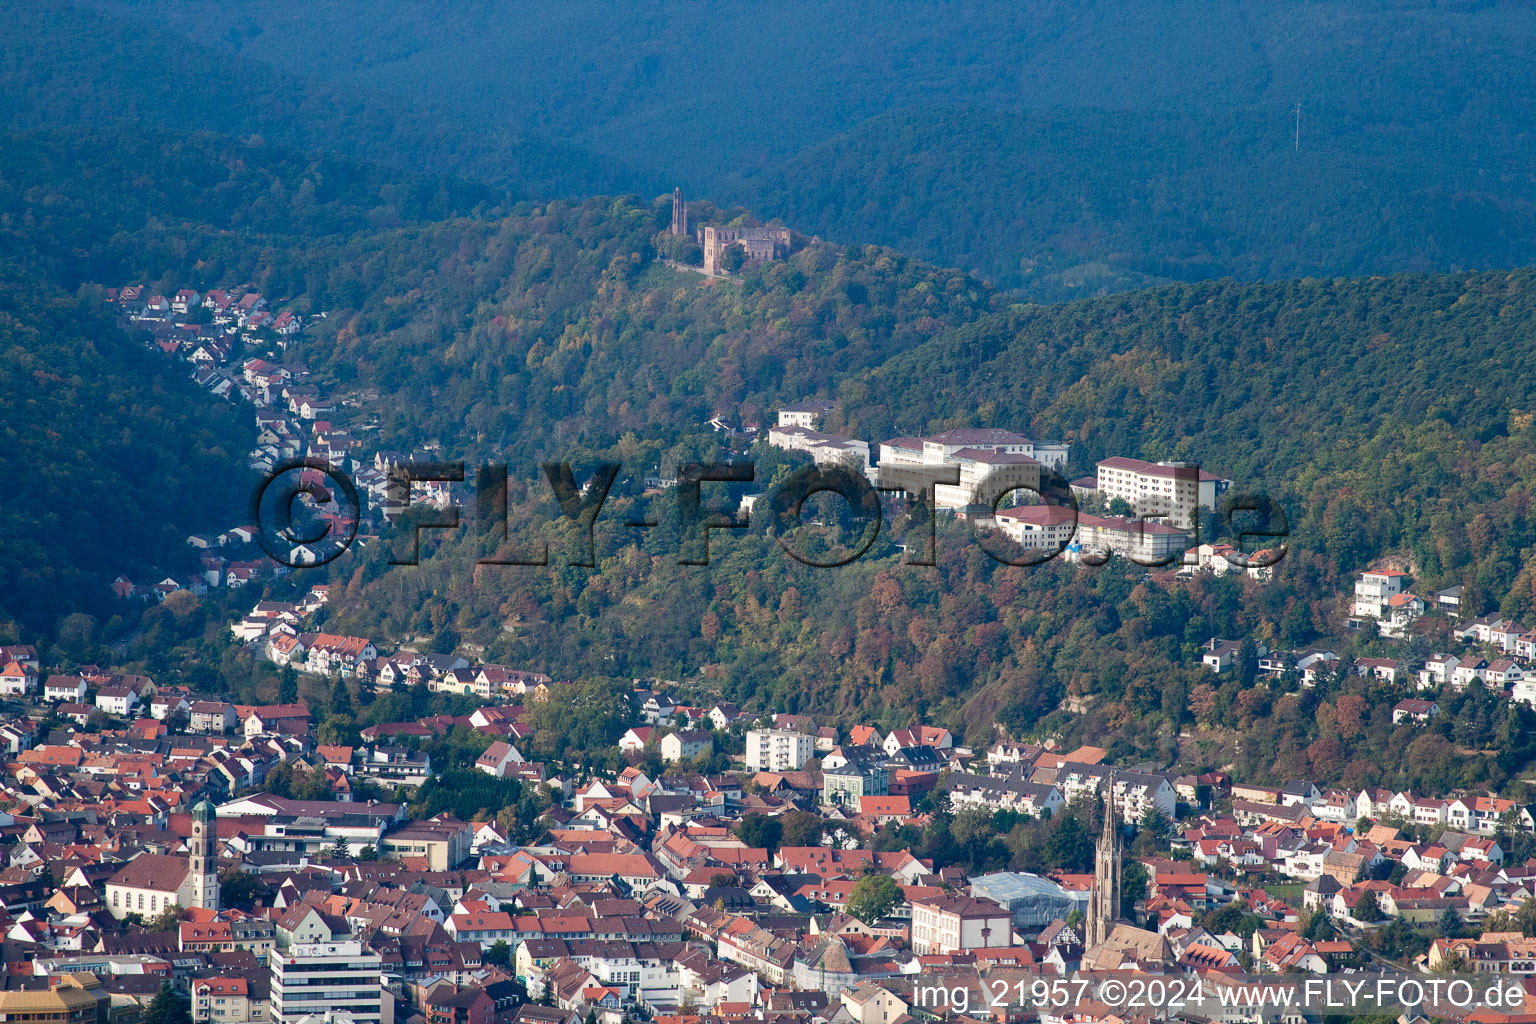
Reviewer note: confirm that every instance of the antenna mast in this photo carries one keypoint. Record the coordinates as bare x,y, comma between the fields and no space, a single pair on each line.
1298,126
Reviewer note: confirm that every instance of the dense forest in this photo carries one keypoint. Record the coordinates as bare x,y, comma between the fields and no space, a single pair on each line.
1067,147
110,456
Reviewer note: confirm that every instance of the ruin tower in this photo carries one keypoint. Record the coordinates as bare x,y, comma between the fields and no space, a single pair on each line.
679,213
1104,906
204,868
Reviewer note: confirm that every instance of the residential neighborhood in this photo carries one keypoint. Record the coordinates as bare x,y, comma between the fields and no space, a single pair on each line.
725,872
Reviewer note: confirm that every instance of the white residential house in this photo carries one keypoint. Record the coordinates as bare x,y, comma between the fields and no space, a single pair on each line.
1437,671
17,680
1220,655
170,706
1503,672
1384,669
685,744
1313,664
1481,628
70,688
117,700
210,716
1472,668
634,740
1401,611
1373,590
1414,710
1428,810
1220,559
1506,636
499,759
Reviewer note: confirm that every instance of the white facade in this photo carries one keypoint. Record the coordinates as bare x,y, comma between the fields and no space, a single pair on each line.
316,977
991,462
1053,527
1174,490
824,449
1374,591
778,750
71,688
951,924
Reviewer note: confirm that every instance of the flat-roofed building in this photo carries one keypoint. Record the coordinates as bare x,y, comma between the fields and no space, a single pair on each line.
778,750
75,999
342,976
991,463
443,842
1163,489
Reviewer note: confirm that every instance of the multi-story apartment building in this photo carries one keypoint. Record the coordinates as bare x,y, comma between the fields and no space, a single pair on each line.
1374,592
1134,794
1056,528
1173,490
228,1000
321,976
778,750
951,924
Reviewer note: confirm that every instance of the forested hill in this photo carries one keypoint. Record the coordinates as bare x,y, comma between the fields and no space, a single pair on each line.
1066,146
110,456
73,64
1071,203
1393,415
1389,416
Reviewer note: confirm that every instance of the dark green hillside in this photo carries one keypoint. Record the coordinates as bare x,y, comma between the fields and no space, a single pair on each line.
1071,203
1070,147
110,456
113,456
71,64
202,209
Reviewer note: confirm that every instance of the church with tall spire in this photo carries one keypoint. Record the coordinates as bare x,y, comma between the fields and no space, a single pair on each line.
1104,904
1111,943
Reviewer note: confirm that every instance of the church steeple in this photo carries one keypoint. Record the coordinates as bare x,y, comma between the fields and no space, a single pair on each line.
204,865
1104,905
